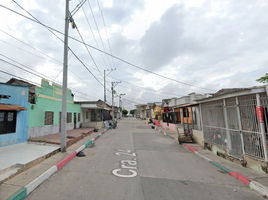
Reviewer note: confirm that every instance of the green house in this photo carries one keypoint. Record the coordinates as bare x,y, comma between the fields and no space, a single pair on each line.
45,109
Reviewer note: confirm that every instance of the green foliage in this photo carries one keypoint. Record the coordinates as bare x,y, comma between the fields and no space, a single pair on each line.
263,79
133,112
125,112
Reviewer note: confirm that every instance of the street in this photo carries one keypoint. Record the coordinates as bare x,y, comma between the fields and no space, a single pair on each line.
134,161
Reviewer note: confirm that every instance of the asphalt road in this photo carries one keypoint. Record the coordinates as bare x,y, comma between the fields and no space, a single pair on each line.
135,162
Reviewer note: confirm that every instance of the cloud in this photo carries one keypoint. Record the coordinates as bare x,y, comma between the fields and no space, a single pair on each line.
164,39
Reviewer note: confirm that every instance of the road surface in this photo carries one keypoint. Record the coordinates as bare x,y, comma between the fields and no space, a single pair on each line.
135,162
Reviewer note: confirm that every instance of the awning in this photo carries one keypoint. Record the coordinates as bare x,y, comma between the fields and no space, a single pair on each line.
11,107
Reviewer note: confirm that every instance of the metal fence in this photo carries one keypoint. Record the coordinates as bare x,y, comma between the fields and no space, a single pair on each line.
169,117
233,124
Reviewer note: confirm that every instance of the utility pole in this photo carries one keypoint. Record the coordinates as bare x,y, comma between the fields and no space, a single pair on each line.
113,101
64,82
120,102
105,82
113,97
104,87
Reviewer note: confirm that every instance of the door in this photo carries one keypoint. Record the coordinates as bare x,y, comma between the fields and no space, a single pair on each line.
74,120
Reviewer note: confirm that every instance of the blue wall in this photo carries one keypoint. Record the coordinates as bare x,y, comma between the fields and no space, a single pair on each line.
19,96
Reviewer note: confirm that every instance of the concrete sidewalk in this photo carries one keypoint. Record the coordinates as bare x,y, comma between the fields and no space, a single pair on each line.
254,180
17,158
11,186
72,136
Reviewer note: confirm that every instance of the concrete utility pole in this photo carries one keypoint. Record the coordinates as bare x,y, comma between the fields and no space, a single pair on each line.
105,82
113,101
104,87
64,82
120,102
113,98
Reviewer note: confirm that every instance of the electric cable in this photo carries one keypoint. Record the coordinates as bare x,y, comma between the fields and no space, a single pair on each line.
120,59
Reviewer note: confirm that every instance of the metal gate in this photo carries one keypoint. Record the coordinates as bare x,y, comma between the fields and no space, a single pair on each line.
233,124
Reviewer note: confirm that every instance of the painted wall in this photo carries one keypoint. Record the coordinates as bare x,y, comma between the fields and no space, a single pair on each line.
164,125
172,127
198,136
157,122
157,109
19,96
48,98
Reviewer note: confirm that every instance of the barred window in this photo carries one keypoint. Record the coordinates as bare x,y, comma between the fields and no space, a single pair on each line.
69,117
49,117
78,117
8,121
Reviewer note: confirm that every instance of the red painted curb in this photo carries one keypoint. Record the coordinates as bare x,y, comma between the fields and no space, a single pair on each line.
189,147
95,138
65,160
172,137
244,179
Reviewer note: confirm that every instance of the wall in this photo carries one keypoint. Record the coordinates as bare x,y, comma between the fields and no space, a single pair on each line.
157,122
48,98
172,127
198,136
19,96
97,125
164,125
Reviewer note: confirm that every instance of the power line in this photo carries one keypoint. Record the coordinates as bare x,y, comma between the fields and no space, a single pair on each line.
87,49
36,75
122,60
30,46
37,21
105,30
94,36
98,31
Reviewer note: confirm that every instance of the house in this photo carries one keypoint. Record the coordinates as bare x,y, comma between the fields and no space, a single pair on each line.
149,110
234,124
182,115
14,114
141,109
94,113
45,108
157,113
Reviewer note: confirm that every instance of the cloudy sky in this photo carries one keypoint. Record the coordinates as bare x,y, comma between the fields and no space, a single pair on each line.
197,46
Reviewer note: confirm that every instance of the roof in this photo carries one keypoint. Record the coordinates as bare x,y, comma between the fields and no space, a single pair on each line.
11,107
233,92
228,91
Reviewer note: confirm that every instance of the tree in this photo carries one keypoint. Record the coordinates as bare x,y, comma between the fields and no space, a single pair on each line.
125,112
133,112
263,79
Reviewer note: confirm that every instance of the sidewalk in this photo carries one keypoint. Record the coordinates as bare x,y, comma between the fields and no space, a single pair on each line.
253,179
22,163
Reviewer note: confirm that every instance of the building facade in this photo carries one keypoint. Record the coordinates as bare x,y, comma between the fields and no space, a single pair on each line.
45,111
14,114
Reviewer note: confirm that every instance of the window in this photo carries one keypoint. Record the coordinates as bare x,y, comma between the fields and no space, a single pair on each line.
8,121
86,114
185,112
49,118
69,117
78,117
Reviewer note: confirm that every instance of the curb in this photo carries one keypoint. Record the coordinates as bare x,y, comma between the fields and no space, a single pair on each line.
156,128
25,191
257,187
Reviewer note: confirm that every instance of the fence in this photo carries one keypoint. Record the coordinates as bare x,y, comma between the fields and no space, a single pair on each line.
233,124
169,117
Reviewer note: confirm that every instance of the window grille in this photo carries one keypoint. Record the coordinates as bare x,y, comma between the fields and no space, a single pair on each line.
49,117
69,117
